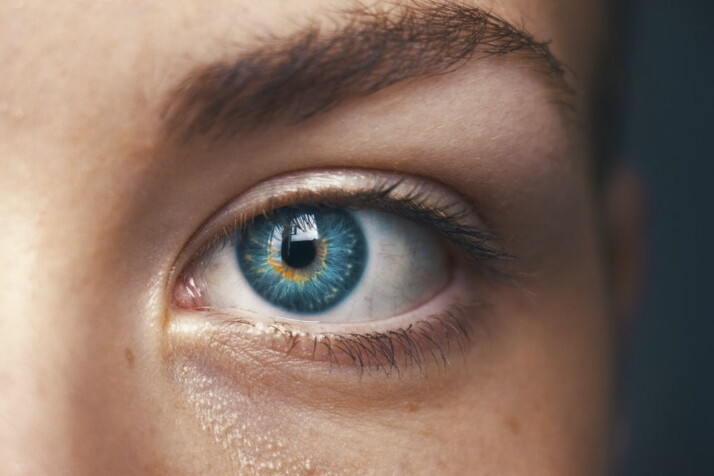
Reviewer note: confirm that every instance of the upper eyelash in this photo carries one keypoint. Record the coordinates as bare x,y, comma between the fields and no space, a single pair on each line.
446,219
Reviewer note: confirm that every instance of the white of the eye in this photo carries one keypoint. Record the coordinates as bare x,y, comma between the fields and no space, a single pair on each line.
406,266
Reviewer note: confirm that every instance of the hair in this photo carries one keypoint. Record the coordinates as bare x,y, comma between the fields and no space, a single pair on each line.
607,100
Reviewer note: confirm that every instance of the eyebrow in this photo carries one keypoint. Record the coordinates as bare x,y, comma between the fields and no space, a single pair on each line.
292,79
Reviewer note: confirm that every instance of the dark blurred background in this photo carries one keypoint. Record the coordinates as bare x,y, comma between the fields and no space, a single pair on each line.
669,136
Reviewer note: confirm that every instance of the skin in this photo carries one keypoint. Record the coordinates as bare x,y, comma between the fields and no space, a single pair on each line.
97,205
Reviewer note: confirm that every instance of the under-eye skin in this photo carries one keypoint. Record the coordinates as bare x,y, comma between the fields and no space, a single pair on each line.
356,268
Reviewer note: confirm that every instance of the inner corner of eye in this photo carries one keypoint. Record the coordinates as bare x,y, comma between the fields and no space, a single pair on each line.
187,293
326,264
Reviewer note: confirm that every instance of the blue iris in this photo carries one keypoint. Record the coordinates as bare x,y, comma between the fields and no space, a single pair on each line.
304,259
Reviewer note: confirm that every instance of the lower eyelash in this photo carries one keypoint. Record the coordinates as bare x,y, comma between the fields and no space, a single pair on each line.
425,344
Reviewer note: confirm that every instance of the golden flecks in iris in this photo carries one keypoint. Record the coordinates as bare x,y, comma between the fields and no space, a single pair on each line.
287,272
296,275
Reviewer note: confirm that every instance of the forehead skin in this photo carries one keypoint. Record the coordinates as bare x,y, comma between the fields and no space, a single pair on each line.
97,206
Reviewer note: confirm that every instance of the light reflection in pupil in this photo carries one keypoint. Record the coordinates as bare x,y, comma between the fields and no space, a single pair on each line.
299,242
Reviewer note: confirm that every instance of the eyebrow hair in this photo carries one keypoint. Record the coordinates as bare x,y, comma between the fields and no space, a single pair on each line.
295,78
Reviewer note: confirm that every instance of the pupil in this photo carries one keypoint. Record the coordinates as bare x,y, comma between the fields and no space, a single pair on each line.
298,254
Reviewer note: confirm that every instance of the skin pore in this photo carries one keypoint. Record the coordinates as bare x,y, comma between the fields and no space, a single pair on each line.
106,202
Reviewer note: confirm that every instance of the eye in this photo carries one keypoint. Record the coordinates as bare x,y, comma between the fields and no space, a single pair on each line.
328,264
340,255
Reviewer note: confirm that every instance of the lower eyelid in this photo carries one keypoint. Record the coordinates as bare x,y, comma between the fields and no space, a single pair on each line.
429,337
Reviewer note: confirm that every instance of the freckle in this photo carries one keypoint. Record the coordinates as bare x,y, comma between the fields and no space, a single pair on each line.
513,425
411,407
129,356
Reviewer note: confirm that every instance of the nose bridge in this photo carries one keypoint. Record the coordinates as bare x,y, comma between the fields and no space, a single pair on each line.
38,338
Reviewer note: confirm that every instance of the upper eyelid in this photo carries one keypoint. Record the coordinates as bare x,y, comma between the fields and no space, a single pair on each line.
333,186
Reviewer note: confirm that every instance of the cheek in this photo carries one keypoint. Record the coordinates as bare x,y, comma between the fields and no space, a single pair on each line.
259,432
558,366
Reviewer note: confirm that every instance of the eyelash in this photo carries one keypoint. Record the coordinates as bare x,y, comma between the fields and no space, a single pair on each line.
446,220
395,350
391,352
